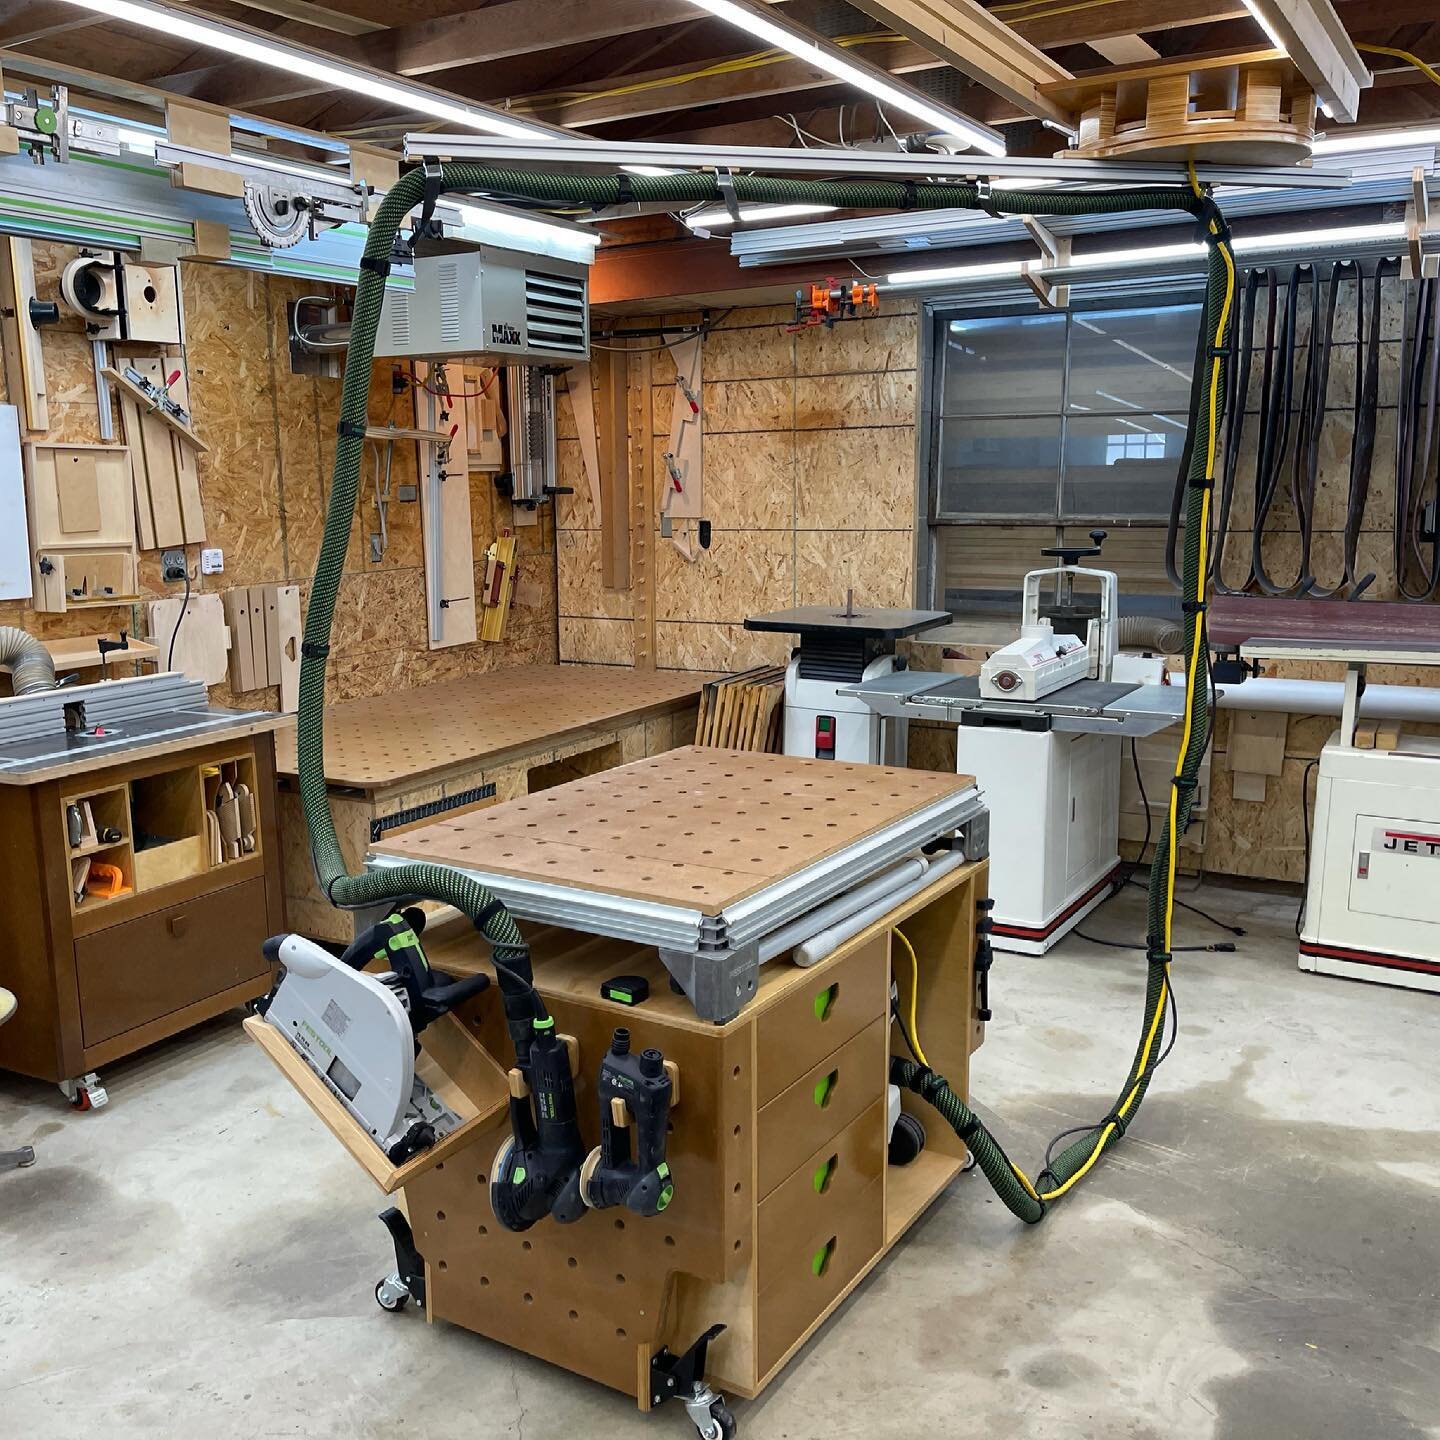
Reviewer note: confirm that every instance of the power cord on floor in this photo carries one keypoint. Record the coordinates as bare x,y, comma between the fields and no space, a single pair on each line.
1305,833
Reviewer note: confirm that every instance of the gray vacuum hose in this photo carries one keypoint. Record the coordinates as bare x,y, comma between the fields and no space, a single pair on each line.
30,664
1150,632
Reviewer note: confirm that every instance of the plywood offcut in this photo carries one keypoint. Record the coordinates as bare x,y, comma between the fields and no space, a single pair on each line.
695,827
391,739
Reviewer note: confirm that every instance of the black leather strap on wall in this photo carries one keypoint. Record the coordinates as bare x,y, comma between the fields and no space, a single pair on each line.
1416,548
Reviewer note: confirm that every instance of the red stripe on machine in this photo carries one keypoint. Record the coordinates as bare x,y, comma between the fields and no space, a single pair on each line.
1040,932
1368,957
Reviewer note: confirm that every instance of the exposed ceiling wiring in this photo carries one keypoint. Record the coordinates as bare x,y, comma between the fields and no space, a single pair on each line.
1414,61
756,61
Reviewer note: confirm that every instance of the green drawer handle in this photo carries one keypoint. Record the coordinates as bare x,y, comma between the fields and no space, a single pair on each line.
820,1260
825,1001
825,1173
825,1087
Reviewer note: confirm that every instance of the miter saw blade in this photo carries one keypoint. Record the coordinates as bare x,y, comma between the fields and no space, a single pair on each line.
279,216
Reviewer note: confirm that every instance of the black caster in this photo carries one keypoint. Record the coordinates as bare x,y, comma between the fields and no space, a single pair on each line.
392,1294
722,1422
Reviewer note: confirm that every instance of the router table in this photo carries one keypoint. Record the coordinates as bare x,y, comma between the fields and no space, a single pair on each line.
408,756
121,778
783,1196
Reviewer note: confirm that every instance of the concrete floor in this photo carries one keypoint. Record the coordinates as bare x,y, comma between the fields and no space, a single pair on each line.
1258,1261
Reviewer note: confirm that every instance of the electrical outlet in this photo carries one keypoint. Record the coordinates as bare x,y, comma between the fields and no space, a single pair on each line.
212,562
172,565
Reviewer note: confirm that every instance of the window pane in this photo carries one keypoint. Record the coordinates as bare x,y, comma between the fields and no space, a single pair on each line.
1004,365
1132,360
1121,465
999,468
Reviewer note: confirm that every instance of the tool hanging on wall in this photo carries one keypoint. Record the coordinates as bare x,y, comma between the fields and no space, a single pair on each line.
1289,431
501,573
683,483
530,481
1416,545
164,451
24,356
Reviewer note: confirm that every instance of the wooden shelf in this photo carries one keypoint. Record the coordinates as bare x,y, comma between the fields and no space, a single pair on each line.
96,847
81,653
909,1189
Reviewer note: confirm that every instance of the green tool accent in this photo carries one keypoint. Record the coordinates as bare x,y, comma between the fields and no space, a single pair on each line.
677,191
403,938
820,1260
663,1169
824,1173
666,1195
46,120
623,996
518,1178
546,1022
824,1088
825,1001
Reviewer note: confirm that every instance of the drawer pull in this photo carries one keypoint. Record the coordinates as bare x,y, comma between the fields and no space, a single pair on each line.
825,1088
820,1260
177,925
825,1001
825,1173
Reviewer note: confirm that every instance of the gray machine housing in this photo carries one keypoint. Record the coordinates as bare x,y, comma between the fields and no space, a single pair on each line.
482,300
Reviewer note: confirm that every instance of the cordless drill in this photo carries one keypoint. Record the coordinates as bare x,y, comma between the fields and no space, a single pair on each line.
632,1088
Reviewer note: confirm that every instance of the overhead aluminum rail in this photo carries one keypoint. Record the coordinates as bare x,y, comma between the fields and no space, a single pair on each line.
1376,177
716,958
578,154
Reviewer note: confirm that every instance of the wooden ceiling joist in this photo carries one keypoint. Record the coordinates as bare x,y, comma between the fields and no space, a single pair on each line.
964,34
446,42
1314,37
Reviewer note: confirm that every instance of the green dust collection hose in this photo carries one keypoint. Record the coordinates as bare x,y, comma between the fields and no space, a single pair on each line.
494,922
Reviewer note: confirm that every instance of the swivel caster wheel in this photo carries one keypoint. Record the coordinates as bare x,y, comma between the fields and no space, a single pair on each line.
722,1422
86,1093
710,1414
392,1294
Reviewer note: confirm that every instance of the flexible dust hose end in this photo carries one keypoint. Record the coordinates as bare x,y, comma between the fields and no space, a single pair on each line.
31,666
994,1163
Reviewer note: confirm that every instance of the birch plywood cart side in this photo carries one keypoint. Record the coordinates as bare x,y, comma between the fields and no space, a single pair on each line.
784,1201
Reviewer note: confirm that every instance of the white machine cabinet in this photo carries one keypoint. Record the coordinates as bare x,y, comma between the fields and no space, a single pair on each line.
1041,728
1372,896
840,648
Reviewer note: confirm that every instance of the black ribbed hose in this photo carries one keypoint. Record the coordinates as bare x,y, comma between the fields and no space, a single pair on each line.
510,952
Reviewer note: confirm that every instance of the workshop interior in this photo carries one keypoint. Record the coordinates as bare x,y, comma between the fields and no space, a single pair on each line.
704,654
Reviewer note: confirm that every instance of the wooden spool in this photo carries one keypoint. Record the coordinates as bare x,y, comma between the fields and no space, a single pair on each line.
1250,109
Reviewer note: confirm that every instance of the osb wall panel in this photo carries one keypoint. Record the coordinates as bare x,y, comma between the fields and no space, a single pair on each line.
809,482
264,484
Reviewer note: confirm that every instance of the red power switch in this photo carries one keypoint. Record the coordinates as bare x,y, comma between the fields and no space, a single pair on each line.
824,737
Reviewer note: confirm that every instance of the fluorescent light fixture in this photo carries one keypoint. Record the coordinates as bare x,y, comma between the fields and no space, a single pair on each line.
1295,241
992,269
1376,140
656,170
493,225
868,78
243,43
714,219
1309,239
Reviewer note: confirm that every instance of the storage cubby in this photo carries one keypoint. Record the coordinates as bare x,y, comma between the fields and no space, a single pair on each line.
101,814
168,827
227,835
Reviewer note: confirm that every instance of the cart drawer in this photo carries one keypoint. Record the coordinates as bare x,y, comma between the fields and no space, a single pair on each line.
807,1276
136,972
821,1103
817,1018
824,1188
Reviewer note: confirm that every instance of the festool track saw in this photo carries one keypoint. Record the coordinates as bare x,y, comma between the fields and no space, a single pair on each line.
356,1029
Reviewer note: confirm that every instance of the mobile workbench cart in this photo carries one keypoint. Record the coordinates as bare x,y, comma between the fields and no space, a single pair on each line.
783,1197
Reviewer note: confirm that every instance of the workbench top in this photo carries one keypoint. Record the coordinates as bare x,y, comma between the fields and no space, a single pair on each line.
695,827
390,739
